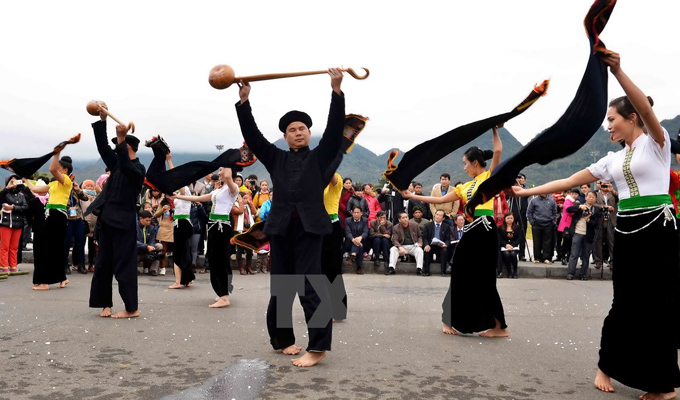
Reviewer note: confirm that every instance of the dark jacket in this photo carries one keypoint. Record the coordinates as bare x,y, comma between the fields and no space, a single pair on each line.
591,226
455,235
116,205
356,229
197,216
35,214
427,214
444,233
512,238
518,206
298,176
17,218
612,200
377,230
398,234
358,201
542,211
150,238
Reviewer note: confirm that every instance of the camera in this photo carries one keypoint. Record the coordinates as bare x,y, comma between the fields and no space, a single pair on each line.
155,255
18,182
604,186
586,212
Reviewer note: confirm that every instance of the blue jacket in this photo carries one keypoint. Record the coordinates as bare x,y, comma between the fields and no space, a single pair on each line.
150,237
264,210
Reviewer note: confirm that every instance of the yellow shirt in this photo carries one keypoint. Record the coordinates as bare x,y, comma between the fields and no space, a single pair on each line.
331,196
59,193
468,189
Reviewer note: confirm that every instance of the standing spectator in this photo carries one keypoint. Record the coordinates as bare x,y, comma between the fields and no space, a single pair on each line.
412,203
436,238
90,190
197,216
500,208
373,204
12,221
165,233
557,235
263,260
585,188
356,235
260,197
381,233
406,239
583,226
243,212
266,206
75,229
509,238
450,208
518,206
565,223
608,202
358,200
347,192
418,218
541,214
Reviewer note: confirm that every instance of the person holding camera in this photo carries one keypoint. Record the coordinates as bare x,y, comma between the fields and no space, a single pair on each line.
148,251
12,221
585,219
608,202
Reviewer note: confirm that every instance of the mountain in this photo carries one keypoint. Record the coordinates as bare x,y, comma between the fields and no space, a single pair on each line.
362,165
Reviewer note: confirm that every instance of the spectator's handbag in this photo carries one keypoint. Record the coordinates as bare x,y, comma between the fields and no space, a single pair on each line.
254,238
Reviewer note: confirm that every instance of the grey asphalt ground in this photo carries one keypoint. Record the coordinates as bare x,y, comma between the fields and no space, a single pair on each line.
52,346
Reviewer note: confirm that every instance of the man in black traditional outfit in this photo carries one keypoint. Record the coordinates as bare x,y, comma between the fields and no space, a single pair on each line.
298,220
116,209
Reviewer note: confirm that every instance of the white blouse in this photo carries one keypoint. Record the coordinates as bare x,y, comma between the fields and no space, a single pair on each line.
638,170
222,201
183,207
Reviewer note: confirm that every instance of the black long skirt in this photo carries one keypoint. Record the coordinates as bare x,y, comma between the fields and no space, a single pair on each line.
472,303
639,336
181,255
218,258
48,250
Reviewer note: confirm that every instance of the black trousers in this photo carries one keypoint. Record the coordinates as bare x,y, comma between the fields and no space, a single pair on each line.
296,262
542,242
604,236
218,256
381,245
442,256
117,256
331,266
91,250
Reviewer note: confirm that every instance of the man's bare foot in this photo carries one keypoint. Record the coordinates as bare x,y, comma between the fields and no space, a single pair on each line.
63,284
175,286
221,302
41,287
449,330
106,312
126,314
495,332
292,350
309,359
658,396
190,283
603,382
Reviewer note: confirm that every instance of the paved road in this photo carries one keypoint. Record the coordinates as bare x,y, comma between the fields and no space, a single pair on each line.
391,347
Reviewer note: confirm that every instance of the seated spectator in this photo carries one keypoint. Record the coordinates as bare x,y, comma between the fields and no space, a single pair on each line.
418,218
412,203
357,199
356,235
381,234
147,248
583,225
406,239
456,234
436,238
451,208
509,237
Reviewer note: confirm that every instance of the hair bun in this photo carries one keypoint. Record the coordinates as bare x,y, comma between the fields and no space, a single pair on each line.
67,159
488,154
651,101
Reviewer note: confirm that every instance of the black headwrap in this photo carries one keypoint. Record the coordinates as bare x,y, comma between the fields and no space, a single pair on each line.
294,116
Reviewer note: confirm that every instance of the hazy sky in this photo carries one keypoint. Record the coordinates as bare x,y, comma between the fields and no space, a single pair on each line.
434,65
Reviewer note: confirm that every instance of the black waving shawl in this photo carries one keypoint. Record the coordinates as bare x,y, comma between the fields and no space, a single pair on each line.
26,167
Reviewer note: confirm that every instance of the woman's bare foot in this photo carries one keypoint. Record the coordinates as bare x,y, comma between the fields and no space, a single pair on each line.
220,302
190,283
292,350
126,314
106,312
309,359
495,332
175,286
63,284
658,396
603,382
449,330
41,287
217,298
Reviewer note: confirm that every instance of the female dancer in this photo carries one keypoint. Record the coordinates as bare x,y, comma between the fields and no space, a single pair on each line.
478,307
52,271
645,302
183,231
219,234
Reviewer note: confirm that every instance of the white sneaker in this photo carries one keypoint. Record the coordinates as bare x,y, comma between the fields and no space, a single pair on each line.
162,271
146,271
